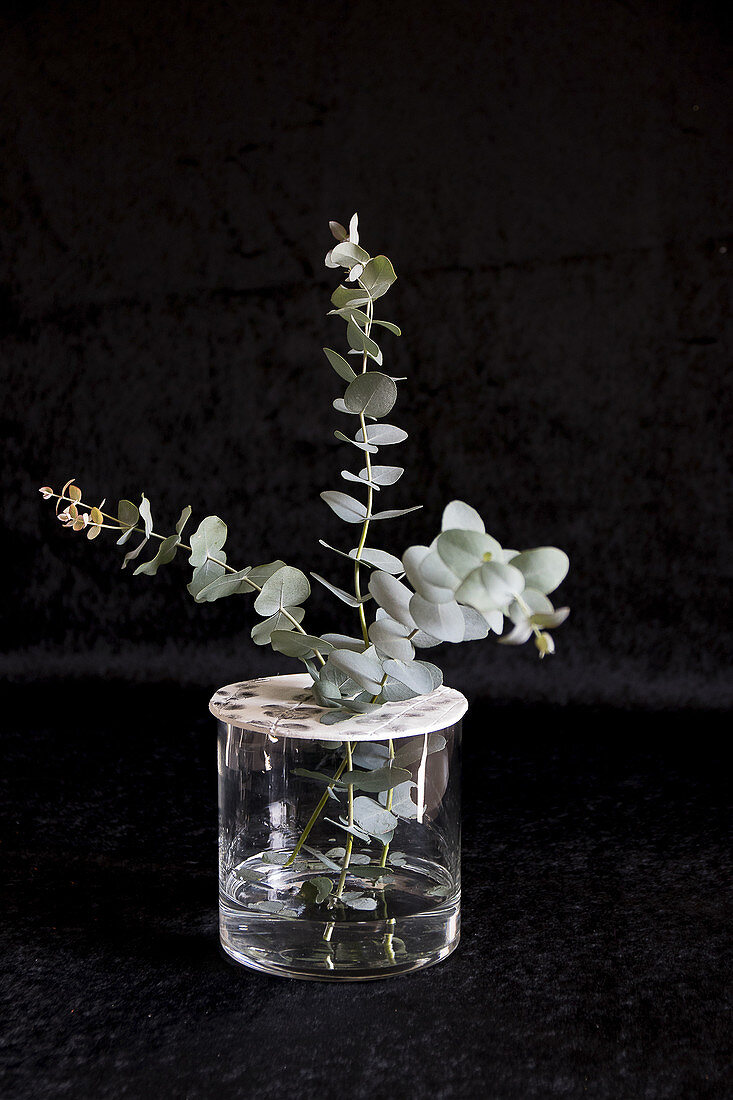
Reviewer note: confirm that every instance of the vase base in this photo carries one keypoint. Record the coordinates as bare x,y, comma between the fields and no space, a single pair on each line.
353,951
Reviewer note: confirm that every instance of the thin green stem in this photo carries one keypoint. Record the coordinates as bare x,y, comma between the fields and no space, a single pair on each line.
350,836
117,526
390,798
317,812
370,497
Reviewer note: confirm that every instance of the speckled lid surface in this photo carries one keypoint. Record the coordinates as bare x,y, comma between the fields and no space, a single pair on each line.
283,706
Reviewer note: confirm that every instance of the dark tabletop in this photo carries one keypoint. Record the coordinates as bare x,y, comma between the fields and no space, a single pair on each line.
592,959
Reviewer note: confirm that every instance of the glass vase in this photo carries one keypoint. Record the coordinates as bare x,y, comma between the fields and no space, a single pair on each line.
339,845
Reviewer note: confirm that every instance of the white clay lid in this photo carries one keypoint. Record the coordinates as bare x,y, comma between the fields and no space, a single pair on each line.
284,706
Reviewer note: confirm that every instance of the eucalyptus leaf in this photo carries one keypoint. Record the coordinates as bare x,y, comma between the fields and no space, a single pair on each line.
415,674
146,516
346,508
132,554
394,329
440,620
166,553
463,551
393,596
382,435
359,442
370,754
227,585
373,818
412,560
203,575
262,632
287,586
411,749
345,296
366,904
340,406
361,343
262,573
371,393
490,587
340,365
207,541
294,644
544,568
390,638
475,625
127,515
183,519
394,513
365,668
343,641
402,803
358,480
348,254
550,619
461,516
383,779
378,276
383,475
379,559
340,593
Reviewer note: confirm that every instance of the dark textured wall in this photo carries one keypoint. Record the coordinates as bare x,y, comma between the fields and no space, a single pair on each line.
551,183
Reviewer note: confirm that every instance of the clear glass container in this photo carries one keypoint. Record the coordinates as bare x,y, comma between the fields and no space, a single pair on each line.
339,846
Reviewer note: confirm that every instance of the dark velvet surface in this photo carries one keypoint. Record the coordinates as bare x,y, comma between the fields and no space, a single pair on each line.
593,961
552,183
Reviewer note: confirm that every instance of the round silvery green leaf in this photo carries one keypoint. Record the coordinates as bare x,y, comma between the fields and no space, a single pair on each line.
365,668
393,596
338,231
475,625
183,519
372,393
491,587
127,515
383,475
208,540
345,296
340,406
415,674
462,517
441,620
518,635
395,692
373,818
551,619
379,559
147,517
463,551
343,641
339,364
294,644
382,435
343,595
361,343
360,903
357,479
394,329
544,568
402,804
393,513
262,632
381,779
434,571
390,638
421,640
348,254
378,276
166,553
203,575
369,447
412,560
346,508
534,600
229,584
284,588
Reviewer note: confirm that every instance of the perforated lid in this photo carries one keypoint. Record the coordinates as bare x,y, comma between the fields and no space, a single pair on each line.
284,706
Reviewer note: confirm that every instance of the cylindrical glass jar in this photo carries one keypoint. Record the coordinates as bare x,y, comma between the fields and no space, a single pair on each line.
339,845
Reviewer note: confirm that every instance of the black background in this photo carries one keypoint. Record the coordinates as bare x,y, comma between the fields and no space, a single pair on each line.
552,184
